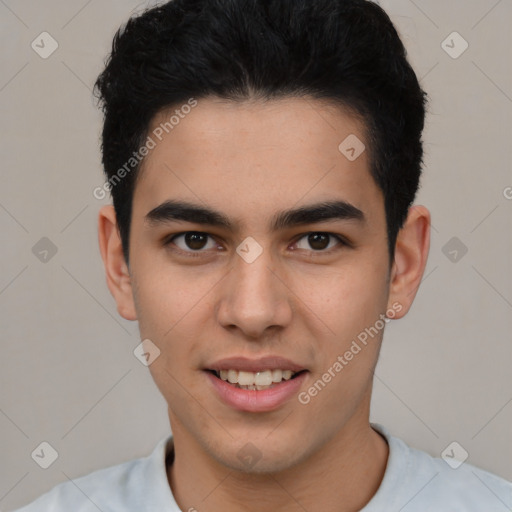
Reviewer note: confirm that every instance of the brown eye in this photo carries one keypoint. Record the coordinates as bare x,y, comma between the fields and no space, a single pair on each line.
320,242
196,241
193,241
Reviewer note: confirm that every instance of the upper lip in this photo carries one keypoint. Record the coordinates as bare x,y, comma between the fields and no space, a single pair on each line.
255,365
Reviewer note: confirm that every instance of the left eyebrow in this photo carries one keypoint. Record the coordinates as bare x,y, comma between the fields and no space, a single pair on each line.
171,210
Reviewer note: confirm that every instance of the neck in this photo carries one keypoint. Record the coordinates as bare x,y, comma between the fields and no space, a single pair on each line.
342,476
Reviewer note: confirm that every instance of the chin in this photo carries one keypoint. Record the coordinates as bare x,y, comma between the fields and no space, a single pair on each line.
264,466
257,459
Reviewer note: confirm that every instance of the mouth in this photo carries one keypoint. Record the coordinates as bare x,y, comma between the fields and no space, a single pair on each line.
255,381
256,391
256,385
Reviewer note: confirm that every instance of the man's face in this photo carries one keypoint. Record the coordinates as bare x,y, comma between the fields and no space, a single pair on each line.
303,298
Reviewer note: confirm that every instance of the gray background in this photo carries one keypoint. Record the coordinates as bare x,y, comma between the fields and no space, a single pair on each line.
68,373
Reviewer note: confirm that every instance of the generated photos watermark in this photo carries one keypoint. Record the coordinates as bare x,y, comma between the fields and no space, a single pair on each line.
344,359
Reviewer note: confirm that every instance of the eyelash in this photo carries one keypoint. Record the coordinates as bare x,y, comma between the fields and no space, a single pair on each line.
199,253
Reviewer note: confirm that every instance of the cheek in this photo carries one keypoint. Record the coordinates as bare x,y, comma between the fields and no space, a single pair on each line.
351,306
166,299
173,318
347,300
173,308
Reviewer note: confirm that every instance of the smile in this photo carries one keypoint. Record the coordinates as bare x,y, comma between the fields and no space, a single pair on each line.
255,380
256,398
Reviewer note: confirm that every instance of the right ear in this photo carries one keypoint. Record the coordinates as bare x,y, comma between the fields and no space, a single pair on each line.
116,270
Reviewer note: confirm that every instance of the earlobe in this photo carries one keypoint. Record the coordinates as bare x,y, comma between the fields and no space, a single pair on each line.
116,270
411,253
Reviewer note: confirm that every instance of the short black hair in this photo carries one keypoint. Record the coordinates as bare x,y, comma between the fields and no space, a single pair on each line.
345,51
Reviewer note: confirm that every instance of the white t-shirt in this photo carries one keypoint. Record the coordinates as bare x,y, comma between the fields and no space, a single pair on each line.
413,481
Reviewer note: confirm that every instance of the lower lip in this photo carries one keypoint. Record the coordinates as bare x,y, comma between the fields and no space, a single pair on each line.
253,400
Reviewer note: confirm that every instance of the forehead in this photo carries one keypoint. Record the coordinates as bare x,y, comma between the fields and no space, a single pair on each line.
257,154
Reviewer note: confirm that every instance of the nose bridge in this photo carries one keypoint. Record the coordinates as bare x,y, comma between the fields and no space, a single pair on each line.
253,298
254,278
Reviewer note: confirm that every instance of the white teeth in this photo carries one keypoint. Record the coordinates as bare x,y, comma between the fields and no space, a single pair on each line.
246,378
255,380
287,374
232,376
277,375
263,378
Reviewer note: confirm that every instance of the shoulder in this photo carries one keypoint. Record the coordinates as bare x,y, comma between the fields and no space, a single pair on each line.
110,489
461,485
414,480
89,493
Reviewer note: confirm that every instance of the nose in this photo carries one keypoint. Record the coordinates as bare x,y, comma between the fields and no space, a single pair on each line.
254,298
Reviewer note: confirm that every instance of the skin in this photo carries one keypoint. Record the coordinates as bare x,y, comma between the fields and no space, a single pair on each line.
251,160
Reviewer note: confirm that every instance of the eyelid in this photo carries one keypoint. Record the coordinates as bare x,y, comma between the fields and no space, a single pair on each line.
169,240
342,241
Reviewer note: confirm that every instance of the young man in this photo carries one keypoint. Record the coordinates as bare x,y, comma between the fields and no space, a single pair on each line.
263,157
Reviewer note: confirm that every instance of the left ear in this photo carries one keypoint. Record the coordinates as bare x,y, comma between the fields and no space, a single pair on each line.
411,253
116,269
